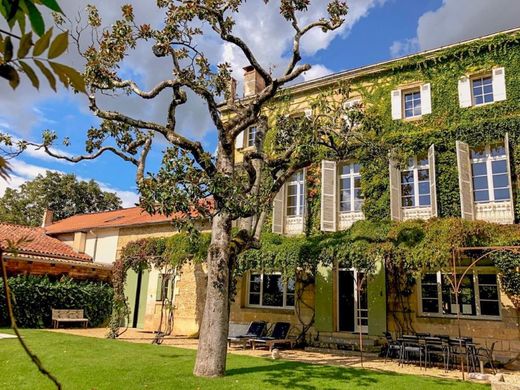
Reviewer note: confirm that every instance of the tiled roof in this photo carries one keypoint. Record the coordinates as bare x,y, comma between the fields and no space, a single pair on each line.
35,241
109,219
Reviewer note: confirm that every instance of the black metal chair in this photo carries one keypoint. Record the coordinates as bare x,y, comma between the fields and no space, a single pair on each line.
457,351
486,354
436,347
393,347
410,349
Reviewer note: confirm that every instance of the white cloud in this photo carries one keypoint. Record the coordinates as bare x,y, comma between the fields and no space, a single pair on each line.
404,47
315,72
459,20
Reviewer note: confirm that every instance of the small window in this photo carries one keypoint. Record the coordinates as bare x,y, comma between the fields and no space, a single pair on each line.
270,290
490,174
488,294
430,293
412,104
295,195
251,136
415,183
482,90
350,195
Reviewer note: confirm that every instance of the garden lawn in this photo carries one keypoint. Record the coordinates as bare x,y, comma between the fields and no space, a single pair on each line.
90,363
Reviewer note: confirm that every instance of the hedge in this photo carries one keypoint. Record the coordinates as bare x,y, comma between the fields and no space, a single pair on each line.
35,296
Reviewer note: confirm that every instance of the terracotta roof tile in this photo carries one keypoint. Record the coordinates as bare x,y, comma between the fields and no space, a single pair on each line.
37,242
108,219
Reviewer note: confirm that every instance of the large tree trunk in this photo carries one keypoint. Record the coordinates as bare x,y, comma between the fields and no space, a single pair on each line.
212,349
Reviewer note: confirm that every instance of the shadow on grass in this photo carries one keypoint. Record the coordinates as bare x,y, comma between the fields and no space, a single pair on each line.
286,374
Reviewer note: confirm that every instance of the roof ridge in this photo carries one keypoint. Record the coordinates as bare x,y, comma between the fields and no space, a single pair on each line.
21,226
96,212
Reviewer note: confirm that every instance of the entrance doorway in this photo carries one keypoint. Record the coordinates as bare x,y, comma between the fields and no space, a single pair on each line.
352,301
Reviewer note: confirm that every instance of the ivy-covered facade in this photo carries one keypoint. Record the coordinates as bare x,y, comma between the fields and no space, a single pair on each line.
450,122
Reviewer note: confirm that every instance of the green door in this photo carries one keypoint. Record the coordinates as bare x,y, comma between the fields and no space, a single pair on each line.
324,302
377,301
135,290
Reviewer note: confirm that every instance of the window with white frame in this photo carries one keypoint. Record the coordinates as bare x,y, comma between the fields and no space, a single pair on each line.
412,103
270,290
482,90
478,296
490,173
251,136
415,183
350,197
295,195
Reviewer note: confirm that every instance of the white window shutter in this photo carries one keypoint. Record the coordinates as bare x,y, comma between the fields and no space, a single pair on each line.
506,147
279,211
239,141
304,216
465,181
395,191
426,99
328,219
499,84
396,104
465,92
433,188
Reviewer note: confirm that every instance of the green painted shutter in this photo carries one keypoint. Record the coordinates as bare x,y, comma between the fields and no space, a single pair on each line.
158,292
324,320
377,301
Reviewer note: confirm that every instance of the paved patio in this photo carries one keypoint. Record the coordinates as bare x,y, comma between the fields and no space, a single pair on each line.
350,359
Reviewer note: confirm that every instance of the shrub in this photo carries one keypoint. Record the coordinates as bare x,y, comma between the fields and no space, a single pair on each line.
35,296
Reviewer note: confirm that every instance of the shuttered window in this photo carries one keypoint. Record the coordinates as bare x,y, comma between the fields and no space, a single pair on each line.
482,89
490,173
415,183
412,104
295,195
351,198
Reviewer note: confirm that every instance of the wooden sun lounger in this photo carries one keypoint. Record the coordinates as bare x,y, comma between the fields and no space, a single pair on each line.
271,343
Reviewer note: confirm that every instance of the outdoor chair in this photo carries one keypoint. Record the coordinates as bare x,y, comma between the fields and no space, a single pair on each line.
393,348
411,348
458,352
485,354
278,335
256,329
436,347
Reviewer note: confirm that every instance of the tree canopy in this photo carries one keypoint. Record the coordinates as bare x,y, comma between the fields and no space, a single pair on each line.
62,193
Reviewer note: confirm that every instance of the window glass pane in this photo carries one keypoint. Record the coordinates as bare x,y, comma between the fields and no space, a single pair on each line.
254,284
466,296
424,200
272,290
498,150
429,278
292,189
345,169
356,168
478,152
488,98
357,182
424,188
481,196
479,169
357,194
480,183
500,181
502,194
407,189
499,166
358,204
423,174
289,300
487,279
407,177
429,292
407,201
489,308
488,292
254,299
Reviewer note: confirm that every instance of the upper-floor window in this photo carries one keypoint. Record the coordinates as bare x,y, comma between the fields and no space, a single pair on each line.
478,296
350,188
490,174
270,290
415,183
251,136
295,195
480,89
412,104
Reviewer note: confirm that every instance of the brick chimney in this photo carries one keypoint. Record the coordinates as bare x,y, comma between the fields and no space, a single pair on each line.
253,82
48,216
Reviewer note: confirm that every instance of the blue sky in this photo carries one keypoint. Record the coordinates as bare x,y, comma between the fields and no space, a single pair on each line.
377,30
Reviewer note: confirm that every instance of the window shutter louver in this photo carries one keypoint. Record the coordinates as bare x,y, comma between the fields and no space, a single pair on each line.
499,84
464,92
396,104
506,147
279,211
465,181
433,188
328,196
426,99
395,191
239,141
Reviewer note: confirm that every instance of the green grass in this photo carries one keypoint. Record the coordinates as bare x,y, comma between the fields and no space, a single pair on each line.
88,363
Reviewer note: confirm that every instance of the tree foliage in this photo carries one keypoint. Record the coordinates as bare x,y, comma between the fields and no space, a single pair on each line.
19,51
64,194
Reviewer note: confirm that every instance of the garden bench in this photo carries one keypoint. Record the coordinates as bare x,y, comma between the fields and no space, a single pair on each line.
68,315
